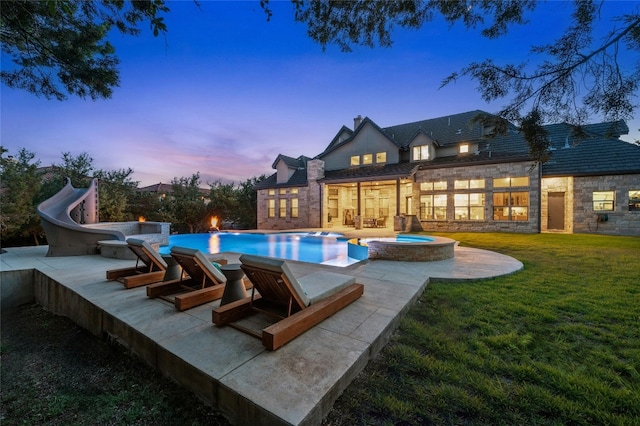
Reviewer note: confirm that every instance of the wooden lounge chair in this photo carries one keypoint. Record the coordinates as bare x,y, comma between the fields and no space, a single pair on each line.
203,284
299,304
152,270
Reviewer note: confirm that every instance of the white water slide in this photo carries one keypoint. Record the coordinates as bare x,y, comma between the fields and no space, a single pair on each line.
64,217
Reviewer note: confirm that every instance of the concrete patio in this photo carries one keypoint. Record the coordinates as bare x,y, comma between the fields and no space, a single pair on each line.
231,371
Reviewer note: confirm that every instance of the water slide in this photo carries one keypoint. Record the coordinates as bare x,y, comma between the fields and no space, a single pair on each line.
63,217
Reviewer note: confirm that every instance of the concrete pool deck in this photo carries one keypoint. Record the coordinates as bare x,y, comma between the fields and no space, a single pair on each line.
231,371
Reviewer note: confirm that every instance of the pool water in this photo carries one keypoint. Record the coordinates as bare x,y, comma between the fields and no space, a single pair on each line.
323,248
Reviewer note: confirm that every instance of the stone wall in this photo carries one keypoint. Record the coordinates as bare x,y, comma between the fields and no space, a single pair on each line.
620,221
557,184
487,172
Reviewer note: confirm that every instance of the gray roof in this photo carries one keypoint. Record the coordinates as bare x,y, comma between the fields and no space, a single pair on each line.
446,130
598,151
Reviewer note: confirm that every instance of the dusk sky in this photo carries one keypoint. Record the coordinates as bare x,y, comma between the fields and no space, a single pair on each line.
226,91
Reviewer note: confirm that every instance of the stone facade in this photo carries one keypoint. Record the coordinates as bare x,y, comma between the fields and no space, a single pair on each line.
488,173
454,174
620,221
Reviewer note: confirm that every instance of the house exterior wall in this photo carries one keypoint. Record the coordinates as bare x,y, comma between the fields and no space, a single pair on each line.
368,141
287,222
309,202
487,172
620,221
557,184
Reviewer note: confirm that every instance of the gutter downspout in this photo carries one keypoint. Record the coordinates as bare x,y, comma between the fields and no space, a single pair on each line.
539,197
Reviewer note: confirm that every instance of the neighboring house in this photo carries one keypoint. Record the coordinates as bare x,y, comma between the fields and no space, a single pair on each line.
445,174
163,190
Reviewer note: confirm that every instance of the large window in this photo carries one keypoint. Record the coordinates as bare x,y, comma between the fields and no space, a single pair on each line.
511,206
294,207
603,201
511,182
283,207
420,152
634,200
271,208
433,207
469,206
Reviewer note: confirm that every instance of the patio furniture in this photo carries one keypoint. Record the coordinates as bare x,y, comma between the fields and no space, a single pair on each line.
203,284
234,289
297,304
152,270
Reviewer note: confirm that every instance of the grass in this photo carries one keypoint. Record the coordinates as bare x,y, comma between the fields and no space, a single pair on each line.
556,343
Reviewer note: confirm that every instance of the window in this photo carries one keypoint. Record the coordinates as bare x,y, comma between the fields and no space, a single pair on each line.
603,200
282,191
469,206
283,207
381,157
294,190
433,186
464,149
420,152
367,158
469,184
634,200
433,207
355,160
271,192
511,206
511,182
271,208
294,207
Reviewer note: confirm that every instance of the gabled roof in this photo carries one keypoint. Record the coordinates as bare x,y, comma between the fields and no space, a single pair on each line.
292,163
336,139
336,144
299,178
157,188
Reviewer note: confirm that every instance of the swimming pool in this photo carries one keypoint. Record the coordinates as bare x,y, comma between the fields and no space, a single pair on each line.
324,248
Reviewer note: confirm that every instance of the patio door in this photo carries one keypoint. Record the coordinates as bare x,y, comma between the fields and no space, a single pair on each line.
555,219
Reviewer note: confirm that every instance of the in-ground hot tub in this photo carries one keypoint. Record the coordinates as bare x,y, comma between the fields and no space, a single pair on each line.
408,248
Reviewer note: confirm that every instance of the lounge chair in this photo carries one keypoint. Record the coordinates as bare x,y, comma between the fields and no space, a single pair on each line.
298,304
152,270
203,284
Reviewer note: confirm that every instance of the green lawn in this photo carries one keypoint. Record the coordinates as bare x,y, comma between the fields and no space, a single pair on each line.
556,343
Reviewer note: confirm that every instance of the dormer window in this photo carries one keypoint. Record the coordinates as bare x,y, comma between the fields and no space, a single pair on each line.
420,152
464,148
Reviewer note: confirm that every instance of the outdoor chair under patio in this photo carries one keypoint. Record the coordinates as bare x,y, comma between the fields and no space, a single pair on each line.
298,304
203,284
152,270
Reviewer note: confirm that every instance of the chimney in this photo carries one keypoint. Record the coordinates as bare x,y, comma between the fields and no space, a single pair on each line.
356,122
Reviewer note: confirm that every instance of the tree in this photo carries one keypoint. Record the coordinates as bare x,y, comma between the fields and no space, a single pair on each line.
188,204
20,184
115,191
224,202
575,79
59,47
247,197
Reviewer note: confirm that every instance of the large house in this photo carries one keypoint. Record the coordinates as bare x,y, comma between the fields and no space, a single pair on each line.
447,174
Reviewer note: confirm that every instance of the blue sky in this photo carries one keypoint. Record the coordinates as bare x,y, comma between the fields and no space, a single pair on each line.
226,91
